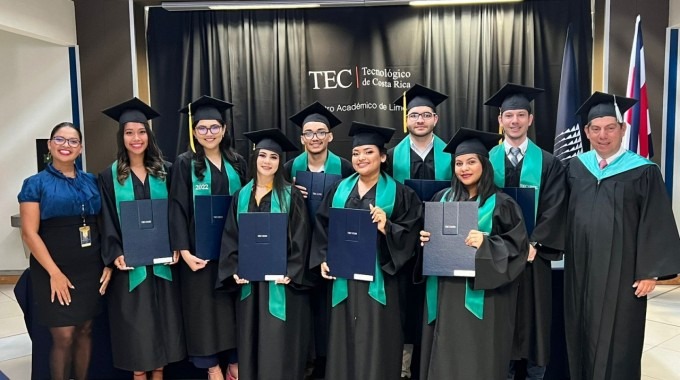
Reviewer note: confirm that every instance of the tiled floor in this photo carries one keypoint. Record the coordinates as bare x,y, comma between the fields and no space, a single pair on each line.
660,360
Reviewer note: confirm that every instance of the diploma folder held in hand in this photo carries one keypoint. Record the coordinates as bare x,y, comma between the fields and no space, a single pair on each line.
446,254
426,188
262,246
144,230
210,214
317,185
352,244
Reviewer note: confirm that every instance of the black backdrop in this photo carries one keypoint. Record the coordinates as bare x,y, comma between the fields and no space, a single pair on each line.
357,60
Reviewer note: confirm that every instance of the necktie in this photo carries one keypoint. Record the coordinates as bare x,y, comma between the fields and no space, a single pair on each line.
514,151
603,163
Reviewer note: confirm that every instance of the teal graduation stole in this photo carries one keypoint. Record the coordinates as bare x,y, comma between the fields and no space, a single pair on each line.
277,292
204,187
385,194
474,299
332,165
532,165
627,161
125,192
401,161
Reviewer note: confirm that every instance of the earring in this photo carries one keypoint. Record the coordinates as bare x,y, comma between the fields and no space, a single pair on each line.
47,158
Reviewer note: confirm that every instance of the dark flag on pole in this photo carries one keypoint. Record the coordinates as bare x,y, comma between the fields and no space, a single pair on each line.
567,129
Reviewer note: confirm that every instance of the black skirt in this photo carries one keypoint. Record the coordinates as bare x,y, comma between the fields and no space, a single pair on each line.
81,265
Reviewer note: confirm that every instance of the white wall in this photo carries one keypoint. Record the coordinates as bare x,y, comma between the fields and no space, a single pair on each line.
47,20
35,95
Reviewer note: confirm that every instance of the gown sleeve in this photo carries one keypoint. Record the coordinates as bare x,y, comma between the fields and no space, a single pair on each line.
180,204
503,255
112,245
299,235
319,246
402,236
658,244
228,262
549,231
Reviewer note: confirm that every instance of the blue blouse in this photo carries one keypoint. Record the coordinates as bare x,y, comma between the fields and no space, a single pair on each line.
61,196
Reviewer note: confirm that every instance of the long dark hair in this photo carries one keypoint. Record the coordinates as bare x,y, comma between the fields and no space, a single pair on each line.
279,184
225,147
153,157
485,187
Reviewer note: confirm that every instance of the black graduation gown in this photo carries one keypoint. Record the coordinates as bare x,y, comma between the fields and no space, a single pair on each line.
420,169
621,229
319,293
365,339
413,294
458,345
269,348
209,314
534,302
146,324
346,168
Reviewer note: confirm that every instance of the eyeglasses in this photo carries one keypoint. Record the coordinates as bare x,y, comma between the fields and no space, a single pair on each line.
203,130
73,143
426,115
310,135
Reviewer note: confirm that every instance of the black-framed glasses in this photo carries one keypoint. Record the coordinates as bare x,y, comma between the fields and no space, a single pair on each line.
73,143
426,115
319,134
203,130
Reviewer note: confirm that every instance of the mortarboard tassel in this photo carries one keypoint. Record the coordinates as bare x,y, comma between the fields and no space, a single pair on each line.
404,111
619,117
191,130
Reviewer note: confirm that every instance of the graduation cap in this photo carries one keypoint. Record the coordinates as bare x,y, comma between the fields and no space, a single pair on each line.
513,97
271,139
419,95
315,112
207,108
367,134
133,110
467,141
600,104
204,108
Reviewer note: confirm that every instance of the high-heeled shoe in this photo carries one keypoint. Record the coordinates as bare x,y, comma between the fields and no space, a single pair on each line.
215,373
230,376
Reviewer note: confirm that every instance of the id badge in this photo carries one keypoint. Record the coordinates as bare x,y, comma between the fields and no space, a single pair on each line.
85,237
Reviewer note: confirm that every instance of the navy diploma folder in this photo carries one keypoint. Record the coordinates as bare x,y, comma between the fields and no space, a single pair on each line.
352,244
446,254
262,246
144,230
210,214
317,185
426,188
525,198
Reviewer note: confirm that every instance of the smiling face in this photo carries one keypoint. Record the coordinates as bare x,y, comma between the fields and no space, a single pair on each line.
135,138
516,124
416,122
267,162
605,135
315,144
366,159
468,169
60,145
209,133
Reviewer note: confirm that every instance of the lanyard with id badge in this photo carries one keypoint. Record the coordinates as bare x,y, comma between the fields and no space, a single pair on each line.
85,236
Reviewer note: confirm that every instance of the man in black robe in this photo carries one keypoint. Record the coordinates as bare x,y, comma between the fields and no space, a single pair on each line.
419,155
317,124
546,174
622,236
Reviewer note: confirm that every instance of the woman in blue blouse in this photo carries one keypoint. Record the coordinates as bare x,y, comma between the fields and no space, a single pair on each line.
58,209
